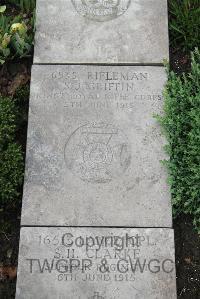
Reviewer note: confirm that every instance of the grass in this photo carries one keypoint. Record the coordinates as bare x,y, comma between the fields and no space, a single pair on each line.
184,24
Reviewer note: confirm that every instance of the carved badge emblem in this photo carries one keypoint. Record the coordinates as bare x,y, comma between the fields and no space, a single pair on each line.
101,10
97,152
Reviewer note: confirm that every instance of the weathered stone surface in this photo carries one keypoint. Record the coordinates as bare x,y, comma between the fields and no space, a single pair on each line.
79,31
94,148
96,263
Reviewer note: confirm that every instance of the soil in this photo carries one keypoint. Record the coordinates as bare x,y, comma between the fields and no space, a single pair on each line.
187,245
187,241
14,75
179,62
9,242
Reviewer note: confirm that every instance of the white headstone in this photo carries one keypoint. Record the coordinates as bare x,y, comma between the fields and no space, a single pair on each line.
103,31
96,263
94,148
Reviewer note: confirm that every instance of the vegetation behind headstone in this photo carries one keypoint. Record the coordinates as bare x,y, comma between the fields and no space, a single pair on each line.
181,123
16,32
184,24
12,118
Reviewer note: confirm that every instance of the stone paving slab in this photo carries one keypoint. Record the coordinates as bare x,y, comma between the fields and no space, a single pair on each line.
94,148
88,31
96,263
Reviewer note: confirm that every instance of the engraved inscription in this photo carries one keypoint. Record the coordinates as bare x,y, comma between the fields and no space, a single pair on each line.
97,152
104,90
105,261
101,10
96,296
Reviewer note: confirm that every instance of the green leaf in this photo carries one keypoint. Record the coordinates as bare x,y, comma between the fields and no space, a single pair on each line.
2,8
